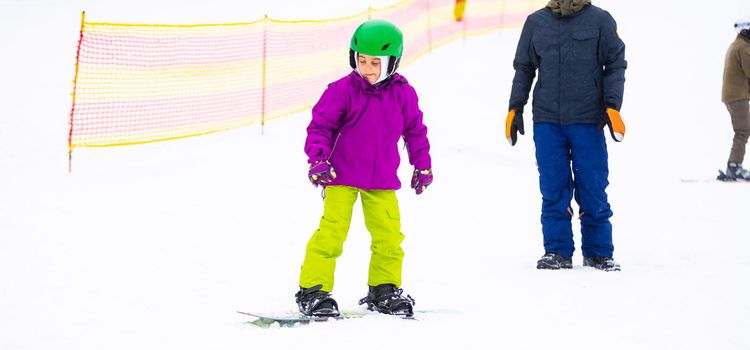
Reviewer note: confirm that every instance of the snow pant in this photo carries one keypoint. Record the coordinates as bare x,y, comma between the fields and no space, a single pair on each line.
382,219
740,113
584,147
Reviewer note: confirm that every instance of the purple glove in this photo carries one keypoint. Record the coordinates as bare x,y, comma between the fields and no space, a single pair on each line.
421,179
321,173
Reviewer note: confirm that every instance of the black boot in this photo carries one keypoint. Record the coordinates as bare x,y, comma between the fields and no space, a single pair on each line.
736,172
604,263
554,261
315,302
388,299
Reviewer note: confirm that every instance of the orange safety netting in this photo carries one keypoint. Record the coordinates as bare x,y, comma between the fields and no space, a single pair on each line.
139,83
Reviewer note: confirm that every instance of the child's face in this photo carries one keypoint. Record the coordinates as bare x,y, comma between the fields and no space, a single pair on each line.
369,67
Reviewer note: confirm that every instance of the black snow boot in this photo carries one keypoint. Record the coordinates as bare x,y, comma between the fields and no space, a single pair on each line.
554,261
388,299
604,263
734,172
315,302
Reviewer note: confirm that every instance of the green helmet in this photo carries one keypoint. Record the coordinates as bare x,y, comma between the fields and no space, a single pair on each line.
378,38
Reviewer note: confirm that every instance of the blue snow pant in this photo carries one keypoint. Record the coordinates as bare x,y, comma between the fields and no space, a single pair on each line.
583,146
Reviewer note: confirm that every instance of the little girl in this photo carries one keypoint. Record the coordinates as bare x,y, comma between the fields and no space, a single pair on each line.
355,127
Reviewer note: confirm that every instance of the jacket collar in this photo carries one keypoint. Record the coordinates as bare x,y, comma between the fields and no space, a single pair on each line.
374,89
578,7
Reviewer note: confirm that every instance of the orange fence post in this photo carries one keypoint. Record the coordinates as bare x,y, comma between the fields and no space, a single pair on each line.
73,95
429,27
263,94
502,14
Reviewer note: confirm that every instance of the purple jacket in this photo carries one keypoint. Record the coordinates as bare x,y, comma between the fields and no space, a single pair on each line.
356,126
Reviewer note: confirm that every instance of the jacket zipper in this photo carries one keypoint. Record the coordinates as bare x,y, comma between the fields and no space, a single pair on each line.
334,146
408,150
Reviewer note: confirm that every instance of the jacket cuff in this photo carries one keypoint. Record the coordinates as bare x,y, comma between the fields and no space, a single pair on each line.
312,160
423,165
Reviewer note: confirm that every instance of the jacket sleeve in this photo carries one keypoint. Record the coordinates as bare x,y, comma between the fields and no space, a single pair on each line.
327,116
415,133
745,62
612,57
525,65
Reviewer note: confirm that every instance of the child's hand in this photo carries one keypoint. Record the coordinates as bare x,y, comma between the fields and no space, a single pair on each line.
421,179
321,173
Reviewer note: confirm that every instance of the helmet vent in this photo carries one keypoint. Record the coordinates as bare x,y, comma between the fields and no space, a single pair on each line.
355,41
385,47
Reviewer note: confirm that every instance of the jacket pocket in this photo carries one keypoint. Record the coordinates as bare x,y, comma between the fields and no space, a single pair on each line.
585,44
393,213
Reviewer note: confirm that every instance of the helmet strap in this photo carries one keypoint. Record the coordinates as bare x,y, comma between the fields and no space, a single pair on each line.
353,59
384,64
393,64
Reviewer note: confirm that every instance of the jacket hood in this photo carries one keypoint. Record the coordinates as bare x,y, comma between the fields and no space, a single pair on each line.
567,7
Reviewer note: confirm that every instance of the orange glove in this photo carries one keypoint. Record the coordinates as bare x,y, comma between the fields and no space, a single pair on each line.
616,125
513,126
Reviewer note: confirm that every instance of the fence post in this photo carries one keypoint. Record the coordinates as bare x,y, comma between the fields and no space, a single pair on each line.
502,15
429,27
263,93
464,19
73,95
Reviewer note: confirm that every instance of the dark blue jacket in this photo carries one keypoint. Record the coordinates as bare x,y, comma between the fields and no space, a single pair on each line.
581,63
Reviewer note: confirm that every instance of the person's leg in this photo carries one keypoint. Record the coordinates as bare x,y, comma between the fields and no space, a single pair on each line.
591,171
383,220
556,185
740,114
327,242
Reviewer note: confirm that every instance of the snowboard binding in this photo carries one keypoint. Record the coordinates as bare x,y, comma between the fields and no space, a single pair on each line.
317,303
735,172
388,299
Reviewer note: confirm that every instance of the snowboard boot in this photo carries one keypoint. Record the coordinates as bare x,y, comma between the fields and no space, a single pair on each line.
554,261
317,303
604,263
735,172
388,299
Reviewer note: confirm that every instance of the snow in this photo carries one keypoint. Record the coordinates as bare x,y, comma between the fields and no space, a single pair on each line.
157,246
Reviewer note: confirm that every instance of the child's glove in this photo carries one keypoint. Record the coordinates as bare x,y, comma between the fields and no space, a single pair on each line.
513,126
421,179
321,173
616,125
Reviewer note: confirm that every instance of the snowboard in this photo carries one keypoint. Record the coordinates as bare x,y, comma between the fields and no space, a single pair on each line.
722,177
293,319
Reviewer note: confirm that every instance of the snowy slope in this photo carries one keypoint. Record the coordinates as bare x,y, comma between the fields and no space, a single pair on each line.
156,246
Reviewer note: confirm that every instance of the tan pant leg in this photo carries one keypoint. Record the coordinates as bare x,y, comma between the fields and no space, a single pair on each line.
740,113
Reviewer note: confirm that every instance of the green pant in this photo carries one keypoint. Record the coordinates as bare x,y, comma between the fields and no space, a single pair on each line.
382,219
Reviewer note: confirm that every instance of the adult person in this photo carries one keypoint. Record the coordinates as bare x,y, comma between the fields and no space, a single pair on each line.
581,62
736,95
